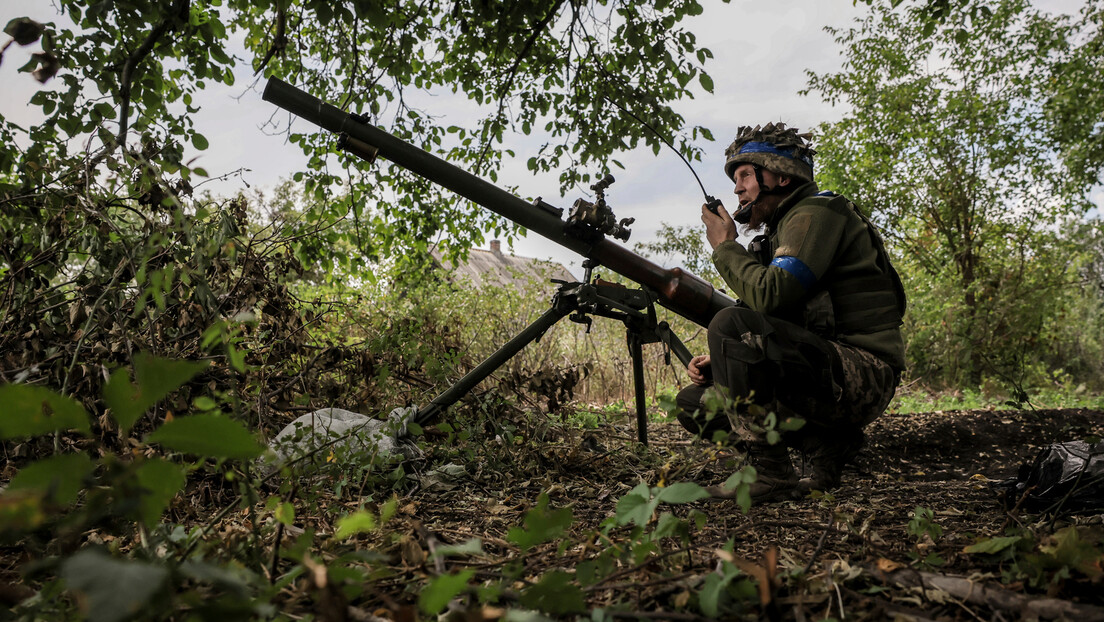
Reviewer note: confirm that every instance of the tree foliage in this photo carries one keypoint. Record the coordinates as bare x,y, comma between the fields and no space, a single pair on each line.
110,262
683,242
562,70
110,250
1074,99
950,143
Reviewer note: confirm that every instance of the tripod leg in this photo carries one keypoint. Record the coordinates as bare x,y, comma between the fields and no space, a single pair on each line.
667,336
636,351
452,394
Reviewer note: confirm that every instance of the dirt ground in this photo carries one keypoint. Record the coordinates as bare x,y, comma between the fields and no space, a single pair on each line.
848,555
862,552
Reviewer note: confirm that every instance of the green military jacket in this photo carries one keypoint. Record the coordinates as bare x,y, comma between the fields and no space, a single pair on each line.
822,248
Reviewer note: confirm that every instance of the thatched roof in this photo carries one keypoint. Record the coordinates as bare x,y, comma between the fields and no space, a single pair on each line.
492,267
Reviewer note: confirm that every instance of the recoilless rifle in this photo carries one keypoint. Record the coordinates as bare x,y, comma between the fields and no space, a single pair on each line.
584,232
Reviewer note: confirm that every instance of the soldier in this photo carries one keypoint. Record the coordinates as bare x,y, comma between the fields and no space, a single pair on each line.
817,334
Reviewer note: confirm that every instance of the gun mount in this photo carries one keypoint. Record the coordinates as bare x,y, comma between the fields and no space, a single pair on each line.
584,233
591,221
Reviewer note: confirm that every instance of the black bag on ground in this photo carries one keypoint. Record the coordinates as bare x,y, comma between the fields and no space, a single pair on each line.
1070,474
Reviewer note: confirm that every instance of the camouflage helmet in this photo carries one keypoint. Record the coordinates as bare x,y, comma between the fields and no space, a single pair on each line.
774,147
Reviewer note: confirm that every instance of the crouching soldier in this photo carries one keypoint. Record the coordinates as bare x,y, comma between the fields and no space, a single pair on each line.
817,335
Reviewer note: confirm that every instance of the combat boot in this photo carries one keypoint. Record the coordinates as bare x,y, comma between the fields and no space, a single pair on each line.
827,455
776,476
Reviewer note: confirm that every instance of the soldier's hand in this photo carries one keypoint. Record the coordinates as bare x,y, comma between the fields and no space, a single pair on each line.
719,226
701,373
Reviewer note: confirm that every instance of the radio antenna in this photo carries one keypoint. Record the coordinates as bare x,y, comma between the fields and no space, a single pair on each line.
710,200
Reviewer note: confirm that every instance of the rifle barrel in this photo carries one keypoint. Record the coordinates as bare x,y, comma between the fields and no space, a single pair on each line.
678,290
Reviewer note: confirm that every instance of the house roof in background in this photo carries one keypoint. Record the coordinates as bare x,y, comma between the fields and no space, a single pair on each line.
493,267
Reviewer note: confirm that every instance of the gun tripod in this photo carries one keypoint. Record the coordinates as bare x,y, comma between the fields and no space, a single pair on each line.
578,301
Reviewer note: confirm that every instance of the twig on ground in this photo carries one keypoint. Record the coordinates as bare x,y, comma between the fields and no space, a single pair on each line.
654,615
999,599
820,543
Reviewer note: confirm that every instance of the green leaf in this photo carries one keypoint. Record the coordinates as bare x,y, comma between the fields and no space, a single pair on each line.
24,30
555,594
541,525
199,141
157,377
31,411
992,545
388,509
105,110
236,356
791,424
741,481
231,578
59,478
285,513
643,551
586,573
636,506
122,398
212,436
933,559
681,492
706,82
438,592
360,521
1070,550
219,54
709,599
109,590
667,525
160,481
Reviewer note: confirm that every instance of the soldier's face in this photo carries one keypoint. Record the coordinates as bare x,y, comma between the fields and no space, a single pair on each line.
747,187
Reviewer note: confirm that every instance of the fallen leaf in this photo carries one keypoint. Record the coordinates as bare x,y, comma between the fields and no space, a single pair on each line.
888,565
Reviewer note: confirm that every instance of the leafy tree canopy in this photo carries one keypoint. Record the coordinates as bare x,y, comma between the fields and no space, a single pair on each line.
963,141
563,69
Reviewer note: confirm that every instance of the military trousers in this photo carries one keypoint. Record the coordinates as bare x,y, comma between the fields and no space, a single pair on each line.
788,370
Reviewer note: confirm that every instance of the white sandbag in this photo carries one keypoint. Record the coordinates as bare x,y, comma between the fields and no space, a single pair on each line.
341,431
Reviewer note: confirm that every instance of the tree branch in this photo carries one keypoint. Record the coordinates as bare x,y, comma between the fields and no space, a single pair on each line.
511,73
179,10
279,40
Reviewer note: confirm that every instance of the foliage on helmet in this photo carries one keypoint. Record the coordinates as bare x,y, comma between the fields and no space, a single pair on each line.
775,147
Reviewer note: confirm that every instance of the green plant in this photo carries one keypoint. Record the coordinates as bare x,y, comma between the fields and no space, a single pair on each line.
976,171
1071,554
728,585
1060,393
70,493
922,524
925,532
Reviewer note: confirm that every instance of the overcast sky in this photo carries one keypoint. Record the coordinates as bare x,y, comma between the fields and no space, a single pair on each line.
762,52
